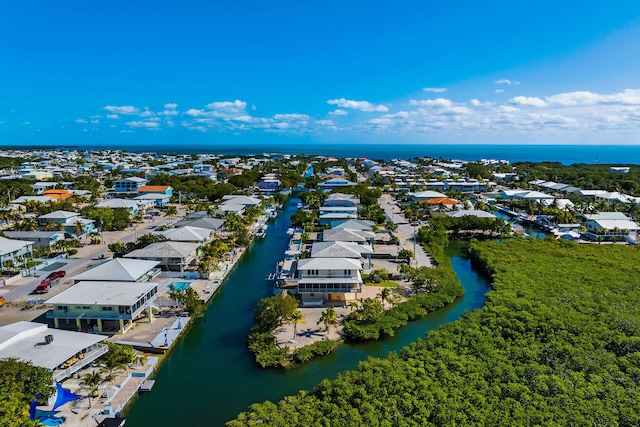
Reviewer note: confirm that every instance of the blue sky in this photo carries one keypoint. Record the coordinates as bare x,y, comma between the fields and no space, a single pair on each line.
212,73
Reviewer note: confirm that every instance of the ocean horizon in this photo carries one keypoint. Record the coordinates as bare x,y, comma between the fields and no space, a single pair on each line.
565,154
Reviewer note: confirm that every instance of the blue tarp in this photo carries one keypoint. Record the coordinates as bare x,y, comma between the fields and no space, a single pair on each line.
63,397
32,408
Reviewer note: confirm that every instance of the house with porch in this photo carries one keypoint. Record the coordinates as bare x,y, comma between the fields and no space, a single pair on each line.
61,352
172,256
610,226
128,185
40,239
103,307
120,270
72,222
14,252
328,280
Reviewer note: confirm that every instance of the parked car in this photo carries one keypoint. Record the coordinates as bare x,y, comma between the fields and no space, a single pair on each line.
57,275
43,287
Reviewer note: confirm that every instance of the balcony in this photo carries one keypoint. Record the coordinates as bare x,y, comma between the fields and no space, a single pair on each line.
101,316
97,350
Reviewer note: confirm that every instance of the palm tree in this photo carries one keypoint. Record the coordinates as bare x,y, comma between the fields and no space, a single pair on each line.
295,318
353,305
171,212
91,382
384,295
329,317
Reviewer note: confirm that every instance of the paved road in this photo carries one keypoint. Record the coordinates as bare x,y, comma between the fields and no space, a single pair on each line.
23,288
406,232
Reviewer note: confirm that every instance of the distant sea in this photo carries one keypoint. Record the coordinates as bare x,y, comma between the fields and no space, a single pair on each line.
565,154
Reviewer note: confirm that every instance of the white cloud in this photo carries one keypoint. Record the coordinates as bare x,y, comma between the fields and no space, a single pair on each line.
435,89
357,105
113,116
532,101
147,113
294,116
627,97
499,91
125,109
506,82
143,124
478,103
171,106
509,109
338,112
195,113
227,105
81,121
439,102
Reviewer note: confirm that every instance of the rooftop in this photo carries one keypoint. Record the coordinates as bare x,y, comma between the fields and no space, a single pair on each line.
103,293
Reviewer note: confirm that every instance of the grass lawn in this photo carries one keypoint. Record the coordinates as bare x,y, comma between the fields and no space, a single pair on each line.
387,284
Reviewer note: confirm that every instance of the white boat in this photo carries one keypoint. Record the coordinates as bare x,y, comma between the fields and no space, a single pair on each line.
299,206
291,231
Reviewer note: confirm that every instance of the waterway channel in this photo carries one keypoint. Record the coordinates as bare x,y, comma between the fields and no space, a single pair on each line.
210,376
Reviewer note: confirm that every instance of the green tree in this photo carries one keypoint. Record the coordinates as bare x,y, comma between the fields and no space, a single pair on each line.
329,317
295,318
20,382
92,382
171,211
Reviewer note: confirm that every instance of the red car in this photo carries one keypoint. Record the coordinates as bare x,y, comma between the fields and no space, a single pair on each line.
56,275
43,287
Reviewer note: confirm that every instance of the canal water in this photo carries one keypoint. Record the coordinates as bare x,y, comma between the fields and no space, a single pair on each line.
210,376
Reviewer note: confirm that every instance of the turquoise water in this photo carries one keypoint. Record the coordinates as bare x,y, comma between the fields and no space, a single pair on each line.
52,421
180,286
210,376
566,154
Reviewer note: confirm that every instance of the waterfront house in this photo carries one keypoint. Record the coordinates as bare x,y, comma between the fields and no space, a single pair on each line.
172,256
62,353
347,235
215,224
188,234
610,226
332,280
103,306
329,214
120,270
341,199
334,183
354,224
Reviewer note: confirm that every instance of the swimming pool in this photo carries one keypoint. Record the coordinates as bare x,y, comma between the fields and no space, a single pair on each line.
52,421
179,286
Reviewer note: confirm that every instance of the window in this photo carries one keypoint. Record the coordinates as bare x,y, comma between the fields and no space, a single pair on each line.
106,308
63,308
83,307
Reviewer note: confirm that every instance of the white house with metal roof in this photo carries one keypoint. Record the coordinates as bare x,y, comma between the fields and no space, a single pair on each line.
347,235
610,226
188,234
103,307
172,256
328,279
120,270
62,353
